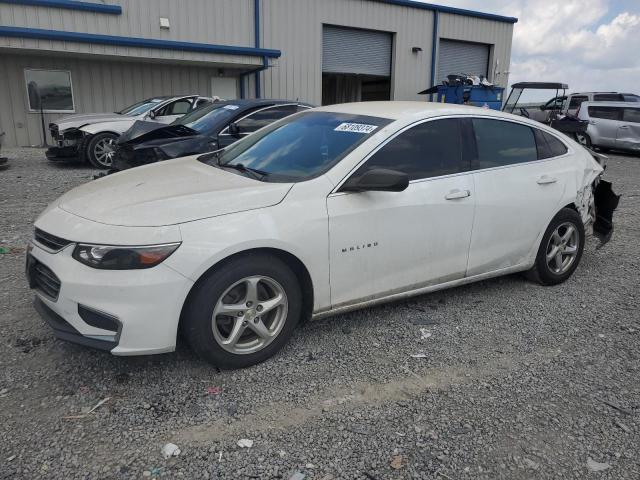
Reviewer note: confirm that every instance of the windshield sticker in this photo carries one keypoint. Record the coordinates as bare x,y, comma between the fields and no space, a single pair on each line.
231,107
355,128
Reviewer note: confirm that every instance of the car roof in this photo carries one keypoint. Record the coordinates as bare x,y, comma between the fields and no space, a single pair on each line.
397,110
256,102
541,85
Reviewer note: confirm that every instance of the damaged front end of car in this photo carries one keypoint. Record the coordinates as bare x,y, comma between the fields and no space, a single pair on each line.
67,143
597,201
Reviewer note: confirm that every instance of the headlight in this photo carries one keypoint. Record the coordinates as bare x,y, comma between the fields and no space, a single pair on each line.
110,257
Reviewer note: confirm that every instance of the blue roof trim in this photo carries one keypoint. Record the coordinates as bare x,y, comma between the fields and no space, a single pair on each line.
70,5
456,11
41,34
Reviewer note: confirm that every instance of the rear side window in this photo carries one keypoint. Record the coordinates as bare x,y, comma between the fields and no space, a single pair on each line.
430,149
608,97
576,101
631,115
501,143
548,145
606,113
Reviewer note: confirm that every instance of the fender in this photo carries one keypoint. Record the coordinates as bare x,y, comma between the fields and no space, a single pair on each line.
115,127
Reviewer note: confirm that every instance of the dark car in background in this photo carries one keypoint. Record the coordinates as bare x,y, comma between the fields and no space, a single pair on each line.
209,128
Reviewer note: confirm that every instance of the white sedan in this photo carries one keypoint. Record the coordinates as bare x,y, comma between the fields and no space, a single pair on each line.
329,210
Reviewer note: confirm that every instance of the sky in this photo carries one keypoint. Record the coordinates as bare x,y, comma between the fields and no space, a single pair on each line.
589,44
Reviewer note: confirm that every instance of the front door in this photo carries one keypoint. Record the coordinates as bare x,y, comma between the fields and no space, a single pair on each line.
517,192
388,242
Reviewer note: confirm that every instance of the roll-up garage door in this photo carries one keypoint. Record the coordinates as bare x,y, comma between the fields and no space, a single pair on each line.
351,50
462,57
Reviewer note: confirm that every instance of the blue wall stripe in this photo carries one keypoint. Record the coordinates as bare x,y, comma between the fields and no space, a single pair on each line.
37,33
456,11
70,5
434,48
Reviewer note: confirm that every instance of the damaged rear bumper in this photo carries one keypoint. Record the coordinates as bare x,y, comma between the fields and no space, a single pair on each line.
605,203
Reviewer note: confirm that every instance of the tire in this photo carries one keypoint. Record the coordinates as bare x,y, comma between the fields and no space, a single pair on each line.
584,140
553,269
240,311
100,150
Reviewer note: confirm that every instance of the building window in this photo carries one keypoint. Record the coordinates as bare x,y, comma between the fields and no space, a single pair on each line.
52,87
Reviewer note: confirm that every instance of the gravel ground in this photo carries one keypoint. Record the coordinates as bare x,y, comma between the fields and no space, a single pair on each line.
518,380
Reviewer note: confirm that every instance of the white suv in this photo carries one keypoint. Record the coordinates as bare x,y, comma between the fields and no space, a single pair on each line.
573,102
325,211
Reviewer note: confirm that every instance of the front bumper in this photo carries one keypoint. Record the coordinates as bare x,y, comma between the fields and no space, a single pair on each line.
69,152
127,312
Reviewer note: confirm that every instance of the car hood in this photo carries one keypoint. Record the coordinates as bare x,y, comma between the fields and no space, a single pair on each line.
143,131
75,121
168,193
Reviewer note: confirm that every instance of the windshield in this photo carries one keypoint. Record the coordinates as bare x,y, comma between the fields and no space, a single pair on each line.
141,107
300,147
206,118
533,98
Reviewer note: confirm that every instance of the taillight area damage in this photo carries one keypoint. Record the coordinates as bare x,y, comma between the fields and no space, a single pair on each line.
597,201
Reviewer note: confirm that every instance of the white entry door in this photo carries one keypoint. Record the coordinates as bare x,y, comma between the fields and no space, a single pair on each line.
224,87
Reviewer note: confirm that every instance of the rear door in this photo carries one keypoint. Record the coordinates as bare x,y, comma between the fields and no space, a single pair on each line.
628,135
388,242
604,124
519,182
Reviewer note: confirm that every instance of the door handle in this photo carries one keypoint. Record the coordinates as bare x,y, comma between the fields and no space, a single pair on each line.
625,127
545,180
456,194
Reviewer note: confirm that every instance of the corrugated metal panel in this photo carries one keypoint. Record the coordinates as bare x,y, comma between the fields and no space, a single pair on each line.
295,27
224,22
352,50
462,57
98,86
497,34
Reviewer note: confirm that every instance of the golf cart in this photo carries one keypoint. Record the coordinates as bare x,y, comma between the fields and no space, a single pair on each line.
531,100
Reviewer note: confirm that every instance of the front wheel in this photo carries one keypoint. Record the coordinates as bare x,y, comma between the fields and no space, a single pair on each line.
101,150
244,312
560,250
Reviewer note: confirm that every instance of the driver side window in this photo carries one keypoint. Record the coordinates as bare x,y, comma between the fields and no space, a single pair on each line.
430,149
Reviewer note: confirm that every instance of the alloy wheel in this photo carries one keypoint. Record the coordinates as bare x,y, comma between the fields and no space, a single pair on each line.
249,315
104,151
562,248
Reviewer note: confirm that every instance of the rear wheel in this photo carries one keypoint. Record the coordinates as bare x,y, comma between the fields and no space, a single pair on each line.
583,139
243,313
560,250
101,150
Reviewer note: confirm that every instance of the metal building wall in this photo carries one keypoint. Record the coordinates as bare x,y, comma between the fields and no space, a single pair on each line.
98,86
224,22
498,34
295,27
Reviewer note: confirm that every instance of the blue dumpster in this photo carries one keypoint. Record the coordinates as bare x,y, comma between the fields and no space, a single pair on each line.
476,95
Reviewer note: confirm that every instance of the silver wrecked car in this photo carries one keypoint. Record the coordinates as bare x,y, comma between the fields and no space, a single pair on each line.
92,136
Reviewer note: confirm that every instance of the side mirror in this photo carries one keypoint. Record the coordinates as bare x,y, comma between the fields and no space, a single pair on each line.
234,130
543,107
152,115
377,180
